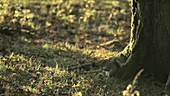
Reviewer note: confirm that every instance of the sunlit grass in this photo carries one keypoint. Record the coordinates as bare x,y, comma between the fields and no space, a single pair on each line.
49,37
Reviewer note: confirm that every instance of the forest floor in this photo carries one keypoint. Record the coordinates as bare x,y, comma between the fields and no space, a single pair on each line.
47,54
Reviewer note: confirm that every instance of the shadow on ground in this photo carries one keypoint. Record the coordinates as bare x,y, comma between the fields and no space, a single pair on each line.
32,65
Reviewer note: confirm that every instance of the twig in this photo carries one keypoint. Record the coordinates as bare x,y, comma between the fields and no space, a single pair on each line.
134,82
108,43
167,85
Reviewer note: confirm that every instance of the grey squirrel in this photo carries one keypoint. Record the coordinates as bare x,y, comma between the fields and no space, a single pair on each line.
115,65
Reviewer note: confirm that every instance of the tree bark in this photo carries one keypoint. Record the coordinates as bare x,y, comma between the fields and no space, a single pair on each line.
149,46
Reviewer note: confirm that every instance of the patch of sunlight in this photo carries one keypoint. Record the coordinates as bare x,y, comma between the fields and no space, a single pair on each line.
99,53
47,24
115,3
45,46
25,40
29,89
59,1
77,94
57,70
47,68
2,19
94,53
71,47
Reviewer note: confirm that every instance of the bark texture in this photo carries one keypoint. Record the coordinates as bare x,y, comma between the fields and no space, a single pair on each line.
149,46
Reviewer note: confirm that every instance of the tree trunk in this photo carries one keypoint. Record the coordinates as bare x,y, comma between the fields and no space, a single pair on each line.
149,46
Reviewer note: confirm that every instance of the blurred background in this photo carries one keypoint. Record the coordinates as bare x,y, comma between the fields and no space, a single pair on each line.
82,22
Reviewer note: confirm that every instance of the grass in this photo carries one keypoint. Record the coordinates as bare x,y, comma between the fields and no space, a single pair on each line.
38,48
